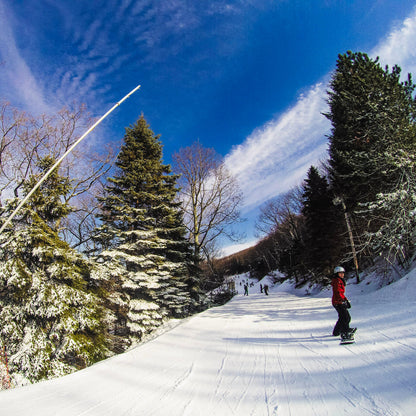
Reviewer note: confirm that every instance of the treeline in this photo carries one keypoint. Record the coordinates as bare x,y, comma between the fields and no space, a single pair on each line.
360,204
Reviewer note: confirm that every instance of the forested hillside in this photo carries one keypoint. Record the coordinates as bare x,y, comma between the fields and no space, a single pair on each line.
358,205
104,253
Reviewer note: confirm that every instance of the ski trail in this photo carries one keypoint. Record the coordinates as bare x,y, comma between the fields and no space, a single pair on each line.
352,391
254,356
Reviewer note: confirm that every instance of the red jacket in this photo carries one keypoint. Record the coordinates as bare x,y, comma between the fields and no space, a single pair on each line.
338,291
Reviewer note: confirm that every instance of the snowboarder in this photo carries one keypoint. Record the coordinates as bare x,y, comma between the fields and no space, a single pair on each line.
341,304
266,290
246,289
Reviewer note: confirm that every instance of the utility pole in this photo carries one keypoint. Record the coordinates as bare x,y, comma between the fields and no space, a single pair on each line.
338,200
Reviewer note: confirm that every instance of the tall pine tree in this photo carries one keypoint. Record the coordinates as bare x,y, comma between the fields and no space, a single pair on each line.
373,120
371,111
323,226
143,236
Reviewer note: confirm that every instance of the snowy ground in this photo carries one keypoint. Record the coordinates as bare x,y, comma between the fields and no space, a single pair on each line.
257,355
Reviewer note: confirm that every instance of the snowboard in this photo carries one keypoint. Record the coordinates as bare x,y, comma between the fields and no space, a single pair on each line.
349,340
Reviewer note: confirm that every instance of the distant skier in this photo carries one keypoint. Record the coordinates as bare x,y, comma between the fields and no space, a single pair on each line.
341,304
266,290
246,289
261,288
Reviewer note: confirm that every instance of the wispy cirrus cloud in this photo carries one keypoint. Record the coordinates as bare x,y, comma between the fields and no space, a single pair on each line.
95,41
88,56
399,46
18,79
276,156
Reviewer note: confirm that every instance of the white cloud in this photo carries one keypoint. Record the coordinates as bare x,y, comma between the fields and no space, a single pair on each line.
399,47
79,74
17,76
276,156
90,52
235,248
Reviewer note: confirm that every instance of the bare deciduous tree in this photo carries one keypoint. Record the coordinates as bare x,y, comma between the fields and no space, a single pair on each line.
26,140
285,208
13,128
210,196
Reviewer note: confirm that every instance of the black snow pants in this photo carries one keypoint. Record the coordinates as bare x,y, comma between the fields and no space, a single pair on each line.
344,318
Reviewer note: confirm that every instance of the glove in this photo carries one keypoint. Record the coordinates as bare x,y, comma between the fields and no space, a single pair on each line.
347,303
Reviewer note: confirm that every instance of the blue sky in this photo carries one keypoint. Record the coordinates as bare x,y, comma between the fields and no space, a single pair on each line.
246,77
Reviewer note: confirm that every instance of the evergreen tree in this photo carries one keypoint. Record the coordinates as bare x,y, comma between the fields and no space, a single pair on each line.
396,237
51,321
143,233
47,202
373,123
323,226
371,111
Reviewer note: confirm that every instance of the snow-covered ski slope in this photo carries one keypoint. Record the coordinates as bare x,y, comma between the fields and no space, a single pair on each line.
257,355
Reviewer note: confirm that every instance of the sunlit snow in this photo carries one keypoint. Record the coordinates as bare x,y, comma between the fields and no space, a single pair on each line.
256,355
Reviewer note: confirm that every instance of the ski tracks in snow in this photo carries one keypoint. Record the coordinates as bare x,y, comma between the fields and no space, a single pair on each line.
258,355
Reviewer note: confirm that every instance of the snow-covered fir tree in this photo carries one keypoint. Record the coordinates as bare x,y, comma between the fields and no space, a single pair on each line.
143,237
51,321
396,237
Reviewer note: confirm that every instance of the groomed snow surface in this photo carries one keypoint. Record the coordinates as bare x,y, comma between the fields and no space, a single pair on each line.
256,355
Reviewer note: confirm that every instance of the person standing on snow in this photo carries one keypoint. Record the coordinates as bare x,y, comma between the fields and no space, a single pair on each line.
341,304
246,289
